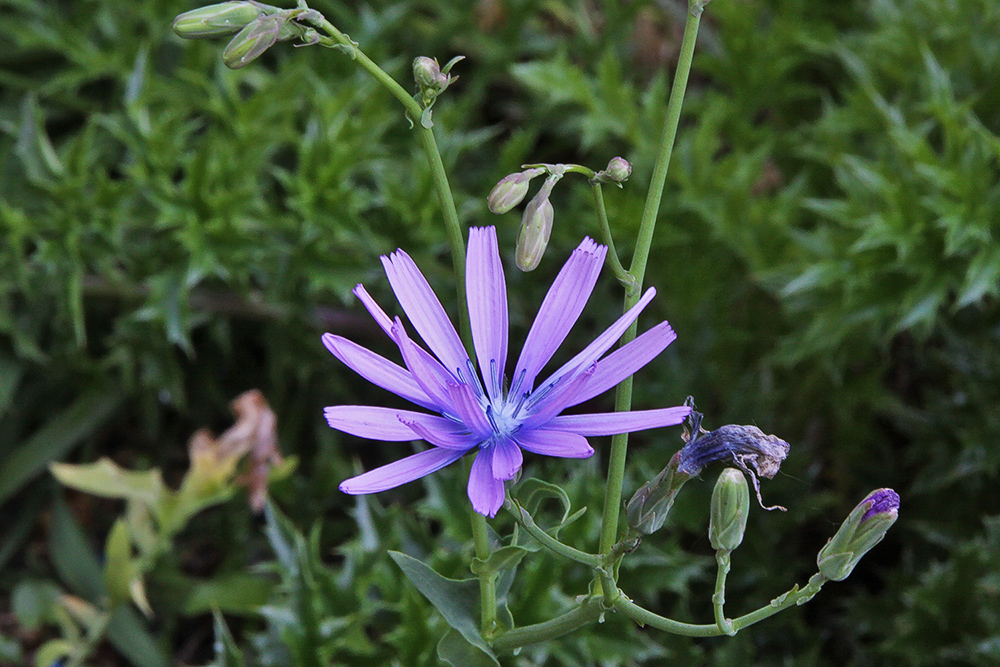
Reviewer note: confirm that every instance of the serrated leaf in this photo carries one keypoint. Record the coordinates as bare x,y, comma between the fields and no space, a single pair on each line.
982,278
456,600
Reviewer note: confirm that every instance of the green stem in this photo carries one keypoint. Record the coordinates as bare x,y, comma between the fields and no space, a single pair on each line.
369,66
623,397
795,596
487,580
522,516
626,279
588,612
719,597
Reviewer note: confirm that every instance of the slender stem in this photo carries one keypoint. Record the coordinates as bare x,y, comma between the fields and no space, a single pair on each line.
626,279
588,612
795,596
623,397
369,65
645,617
719,597
487,580
526,521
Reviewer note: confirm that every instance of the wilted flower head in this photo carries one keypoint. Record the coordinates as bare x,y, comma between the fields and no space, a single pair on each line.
746,447
475,409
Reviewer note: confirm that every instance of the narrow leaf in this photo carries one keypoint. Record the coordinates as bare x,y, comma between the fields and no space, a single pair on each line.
62,433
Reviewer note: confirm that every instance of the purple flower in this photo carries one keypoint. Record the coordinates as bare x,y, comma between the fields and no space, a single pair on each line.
475,409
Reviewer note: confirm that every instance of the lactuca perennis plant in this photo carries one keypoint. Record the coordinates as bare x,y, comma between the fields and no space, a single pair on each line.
470,403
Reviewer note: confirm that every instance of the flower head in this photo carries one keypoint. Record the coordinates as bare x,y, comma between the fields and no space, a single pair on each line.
471,406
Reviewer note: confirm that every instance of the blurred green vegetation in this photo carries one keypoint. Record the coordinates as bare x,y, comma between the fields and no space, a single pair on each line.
828,251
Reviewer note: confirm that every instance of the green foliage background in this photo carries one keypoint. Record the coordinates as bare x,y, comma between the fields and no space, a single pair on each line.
175,233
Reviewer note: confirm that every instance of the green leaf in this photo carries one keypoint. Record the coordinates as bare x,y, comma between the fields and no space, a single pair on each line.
458,601
31,602
281,534
457,652
982,277
72,556
107,479
118,566
61,434
129,634
78,567
236,593
41,164
51,652
227,654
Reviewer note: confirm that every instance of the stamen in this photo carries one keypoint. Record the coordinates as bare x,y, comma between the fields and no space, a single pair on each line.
517,383
494,377
518,405
544,391
493,422
475,383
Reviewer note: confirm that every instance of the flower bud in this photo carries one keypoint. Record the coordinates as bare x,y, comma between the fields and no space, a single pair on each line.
511,189
253,40
864,528
427,74
536,227
224,18
730,507
618,169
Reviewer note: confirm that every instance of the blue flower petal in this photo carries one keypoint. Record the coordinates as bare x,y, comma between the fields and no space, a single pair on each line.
402,471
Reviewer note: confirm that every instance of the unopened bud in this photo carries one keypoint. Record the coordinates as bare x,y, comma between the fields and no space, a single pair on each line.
534,235
536,227
510,191
864,528
253,40
224,18
427,74
730,507
618,169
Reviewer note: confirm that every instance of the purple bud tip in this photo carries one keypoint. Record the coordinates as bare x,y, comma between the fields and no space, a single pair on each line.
882,501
